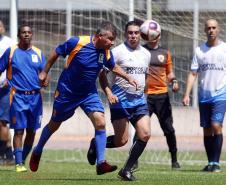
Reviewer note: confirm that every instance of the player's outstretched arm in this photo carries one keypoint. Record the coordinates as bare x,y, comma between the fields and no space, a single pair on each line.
43,75
119,71
106,88
51,60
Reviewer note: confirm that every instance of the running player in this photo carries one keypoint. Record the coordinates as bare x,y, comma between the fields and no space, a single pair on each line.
126,103
87,55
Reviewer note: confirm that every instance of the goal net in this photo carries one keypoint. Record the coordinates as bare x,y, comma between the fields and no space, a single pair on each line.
53,21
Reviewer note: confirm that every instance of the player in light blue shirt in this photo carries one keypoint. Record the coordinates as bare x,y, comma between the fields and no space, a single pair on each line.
87,55
209,63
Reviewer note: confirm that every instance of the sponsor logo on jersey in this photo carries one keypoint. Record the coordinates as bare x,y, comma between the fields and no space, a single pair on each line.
34,58
161,58
136,70
101,58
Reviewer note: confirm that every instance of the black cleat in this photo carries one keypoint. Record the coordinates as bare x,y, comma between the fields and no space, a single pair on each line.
105,168
207,168
91,154
126,175
175,165
216,169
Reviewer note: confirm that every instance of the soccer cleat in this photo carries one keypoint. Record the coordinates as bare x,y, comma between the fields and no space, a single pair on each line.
104,167
20,168
207,168
126,175
175,165
91,154
216,169
34,161
135,167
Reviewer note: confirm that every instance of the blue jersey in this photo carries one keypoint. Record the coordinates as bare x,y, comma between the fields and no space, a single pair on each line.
23,67
83,66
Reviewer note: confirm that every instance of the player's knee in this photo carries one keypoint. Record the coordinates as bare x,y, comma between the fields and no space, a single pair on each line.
100,126
145,136
216,129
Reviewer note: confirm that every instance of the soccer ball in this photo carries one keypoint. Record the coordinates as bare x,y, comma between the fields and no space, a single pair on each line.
150,30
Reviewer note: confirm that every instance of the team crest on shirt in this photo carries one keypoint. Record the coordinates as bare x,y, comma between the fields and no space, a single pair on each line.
161,58
34,58
101,58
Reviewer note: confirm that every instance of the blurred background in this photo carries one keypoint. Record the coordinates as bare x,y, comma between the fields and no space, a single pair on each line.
182,23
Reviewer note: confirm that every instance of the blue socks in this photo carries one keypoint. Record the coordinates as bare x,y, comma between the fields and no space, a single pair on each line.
18,155
100,141
46,133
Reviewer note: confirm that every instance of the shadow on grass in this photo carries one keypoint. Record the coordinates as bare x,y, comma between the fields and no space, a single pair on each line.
71,179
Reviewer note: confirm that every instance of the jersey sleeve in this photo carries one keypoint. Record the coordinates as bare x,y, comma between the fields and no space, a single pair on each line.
43,62
169,64
4,60
115,53
65,48
110,62
194,64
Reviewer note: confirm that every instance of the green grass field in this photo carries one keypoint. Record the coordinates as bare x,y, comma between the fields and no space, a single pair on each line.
61,173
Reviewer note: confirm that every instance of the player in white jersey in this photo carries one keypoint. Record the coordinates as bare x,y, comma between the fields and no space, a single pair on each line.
6,155
209,63
128,104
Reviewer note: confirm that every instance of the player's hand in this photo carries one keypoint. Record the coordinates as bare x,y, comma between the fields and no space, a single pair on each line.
186,100
134,83
42,77
112,98
175,86
45,83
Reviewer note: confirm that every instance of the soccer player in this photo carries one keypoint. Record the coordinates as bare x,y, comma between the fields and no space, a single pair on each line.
87,55
23,63
6,154
209,64
126,103
159,76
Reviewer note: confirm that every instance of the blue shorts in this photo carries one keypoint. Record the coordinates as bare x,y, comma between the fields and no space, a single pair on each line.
64,106
26,111
132,114
212,112
4,105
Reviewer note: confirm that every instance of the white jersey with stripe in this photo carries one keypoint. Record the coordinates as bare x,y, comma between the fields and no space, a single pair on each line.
5,42
134,63
210,64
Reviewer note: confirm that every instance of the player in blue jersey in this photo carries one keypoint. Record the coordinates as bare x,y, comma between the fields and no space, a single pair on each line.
23,63
6,154
126,103
209,64
87,55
